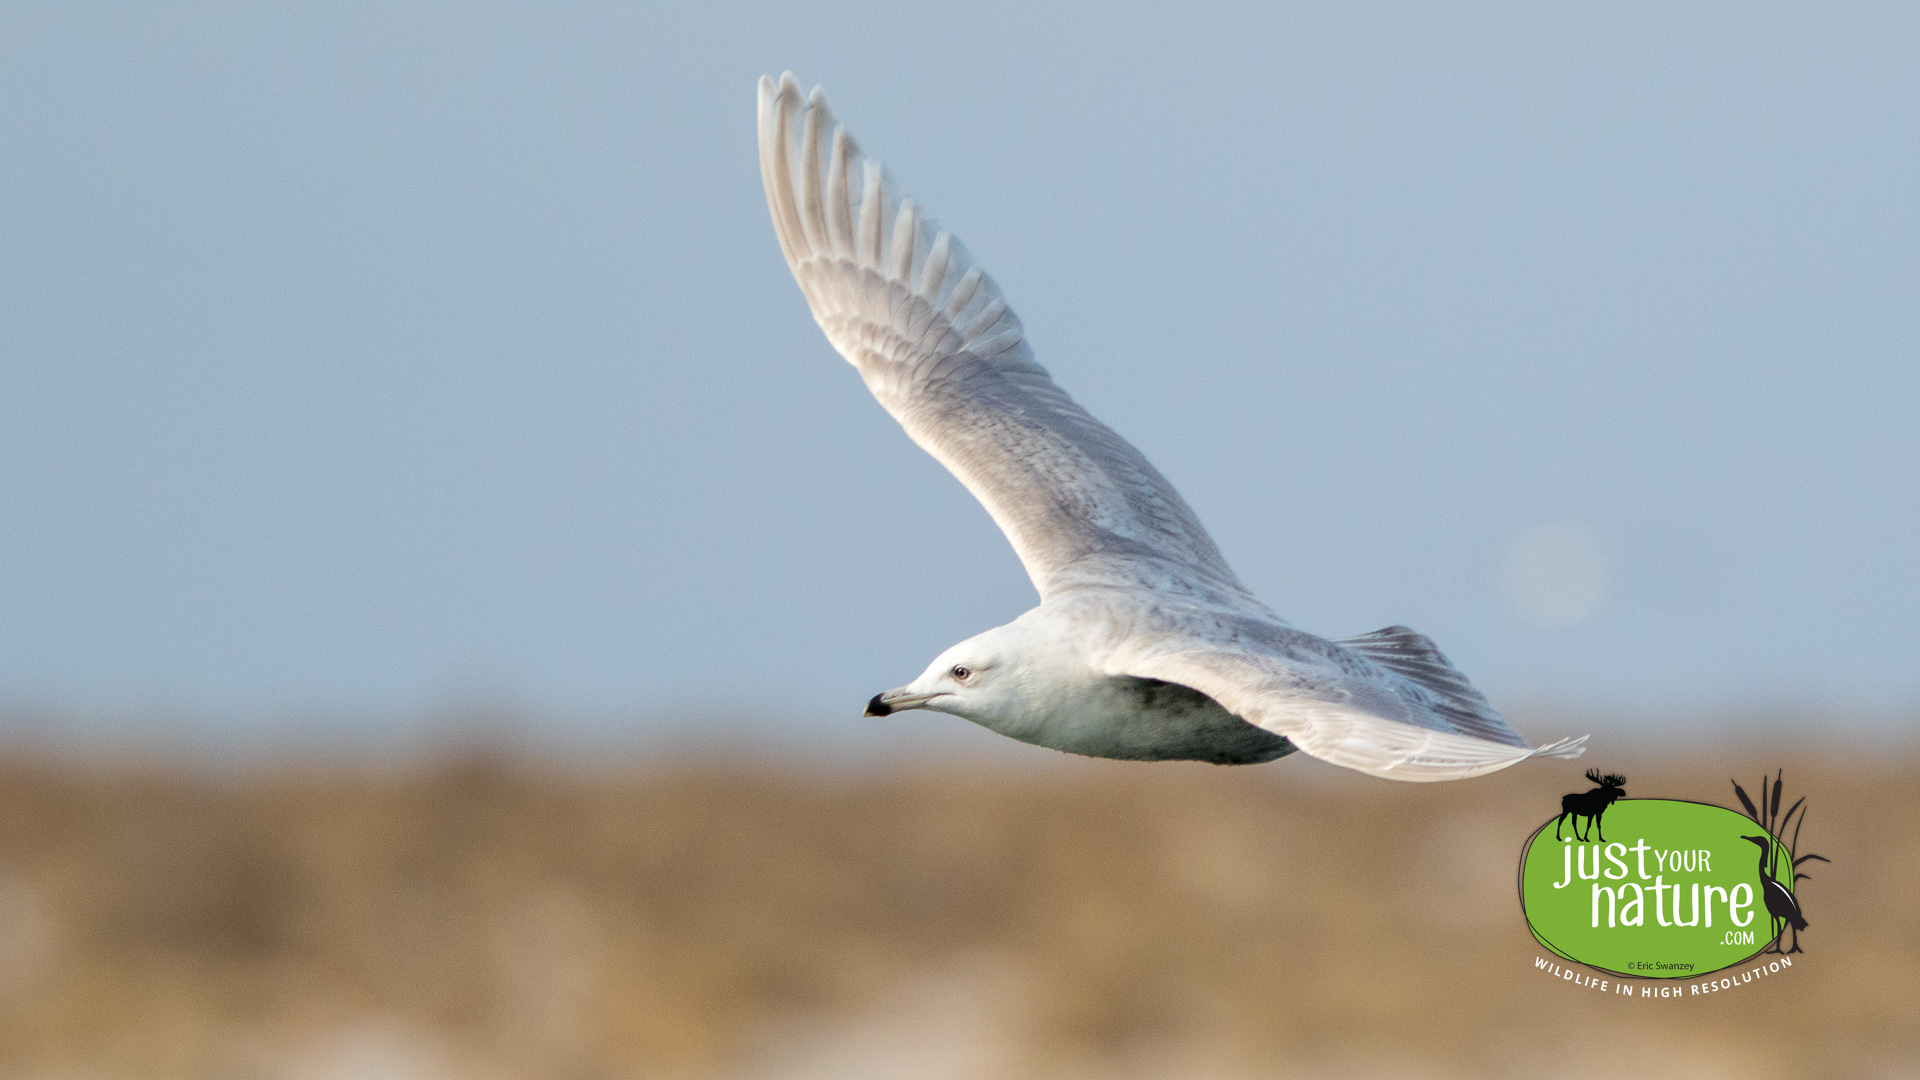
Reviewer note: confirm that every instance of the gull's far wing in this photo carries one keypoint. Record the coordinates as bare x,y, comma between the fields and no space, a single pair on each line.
934,341
1387,703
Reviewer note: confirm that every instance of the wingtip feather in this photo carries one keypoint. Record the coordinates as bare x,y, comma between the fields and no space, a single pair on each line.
933,275
835,209
1566,749
773,164
813,210
867,239
839,220
906,227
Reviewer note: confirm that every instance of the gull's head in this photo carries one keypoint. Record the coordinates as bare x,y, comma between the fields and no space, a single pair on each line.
982,678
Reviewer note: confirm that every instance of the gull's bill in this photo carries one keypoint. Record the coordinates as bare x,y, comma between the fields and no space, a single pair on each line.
893,701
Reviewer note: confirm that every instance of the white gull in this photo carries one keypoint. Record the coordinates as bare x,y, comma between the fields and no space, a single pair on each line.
1145,645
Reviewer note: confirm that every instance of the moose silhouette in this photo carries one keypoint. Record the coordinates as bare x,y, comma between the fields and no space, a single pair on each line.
1591,804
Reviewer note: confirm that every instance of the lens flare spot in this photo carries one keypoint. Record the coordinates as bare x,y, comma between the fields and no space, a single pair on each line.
1555,575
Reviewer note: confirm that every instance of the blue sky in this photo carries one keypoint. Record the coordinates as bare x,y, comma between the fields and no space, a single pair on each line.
356,360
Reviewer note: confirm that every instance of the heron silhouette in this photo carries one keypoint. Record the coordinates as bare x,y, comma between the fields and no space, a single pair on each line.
1779,899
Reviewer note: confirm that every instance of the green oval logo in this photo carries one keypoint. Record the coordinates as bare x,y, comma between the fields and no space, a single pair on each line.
1675,889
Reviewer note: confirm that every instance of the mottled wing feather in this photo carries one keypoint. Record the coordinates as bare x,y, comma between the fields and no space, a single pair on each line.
1334,712
937,345
1435,681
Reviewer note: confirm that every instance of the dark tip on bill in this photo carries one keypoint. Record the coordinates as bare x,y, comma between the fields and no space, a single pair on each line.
876,707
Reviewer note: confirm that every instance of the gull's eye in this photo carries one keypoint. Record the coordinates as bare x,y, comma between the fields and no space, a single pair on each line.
961,672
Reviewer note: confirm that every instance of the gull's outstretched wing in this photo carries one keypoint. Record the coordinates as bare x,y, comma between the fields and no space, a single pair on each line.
1386,703
937,345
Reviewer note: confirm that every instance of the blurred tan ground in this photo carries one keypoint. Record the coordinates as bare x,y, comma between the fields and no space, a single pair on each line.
489,916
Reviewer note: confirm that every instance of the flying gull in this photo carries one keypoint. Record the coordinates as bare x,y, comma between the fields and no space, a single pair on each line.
1145,645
